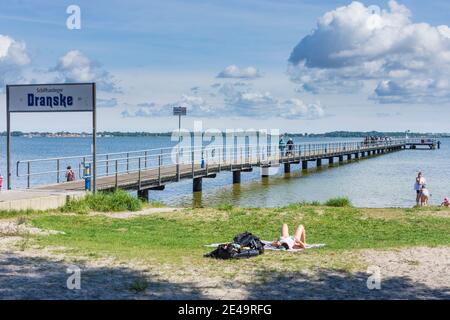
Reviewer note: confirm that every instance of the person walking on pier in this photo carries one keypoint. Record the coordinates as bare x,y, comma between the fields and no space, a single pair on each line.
420,181
70,174
289,146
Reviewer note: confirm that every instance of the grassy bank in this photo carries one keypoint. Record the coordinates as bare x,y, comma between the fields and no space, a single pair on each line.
178,238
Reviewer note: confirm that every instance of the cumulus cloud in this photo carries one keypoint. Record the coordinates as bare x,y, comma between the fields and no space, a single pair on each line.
13,56
229,100
353,44
74,66
146,109
236,72
106,103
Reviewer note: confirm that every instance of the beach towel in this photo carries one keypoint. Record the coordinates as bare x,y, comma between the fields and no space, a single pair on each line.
268,246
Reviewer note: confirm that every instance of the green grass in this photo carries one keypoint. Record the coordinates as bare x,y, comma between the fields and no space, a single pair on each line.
180,236
104,202
338,202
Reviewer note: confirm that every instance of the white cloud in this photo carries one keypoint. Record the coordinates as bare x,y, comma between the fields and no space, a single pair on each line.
236,72
106,103
74,66
229,100
13,56
146,109
352,44
12,51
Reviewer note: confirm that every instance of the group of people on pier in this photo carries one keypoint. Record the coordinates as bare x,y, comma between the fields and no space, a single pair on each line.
376,139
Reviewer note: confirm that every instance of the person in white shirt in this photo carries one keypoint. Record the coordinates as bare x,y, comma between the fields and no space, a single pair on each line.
297,241
420,181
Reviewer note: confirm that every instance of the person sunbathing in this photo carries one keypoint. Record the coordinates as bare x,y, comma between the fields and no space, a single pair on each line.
297,241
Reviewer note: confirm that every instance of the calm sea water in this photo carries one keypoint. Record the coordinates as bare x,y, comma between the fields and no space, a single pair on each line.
381,181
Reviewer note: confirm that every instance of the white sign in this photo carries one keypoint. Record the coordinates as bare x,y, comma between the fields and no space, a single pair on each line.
51,97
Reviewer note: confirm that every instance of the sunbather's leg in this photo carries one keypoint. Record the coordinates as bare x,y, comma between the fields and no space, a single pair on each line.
284,231
300,234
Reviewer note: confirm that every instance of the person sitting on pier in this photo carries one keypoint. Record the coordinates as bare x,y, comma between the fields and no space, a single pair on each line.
445,203
425,196
420,181
70,174
297,241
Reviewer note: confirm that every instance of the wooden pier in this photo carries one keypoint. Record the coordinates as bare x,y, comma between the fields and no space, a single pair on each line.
153,169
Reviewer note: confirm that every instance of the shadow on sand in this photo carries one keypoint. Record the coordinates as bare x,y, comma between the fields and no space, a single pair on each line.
40,278
332,284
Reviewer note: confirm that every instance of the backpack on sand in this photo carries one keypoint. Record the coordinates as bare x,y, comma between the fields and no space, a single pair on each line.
244,245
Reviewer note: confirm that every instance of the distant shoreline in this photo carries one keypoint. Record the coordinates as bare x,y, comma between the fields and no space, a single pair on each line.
333,134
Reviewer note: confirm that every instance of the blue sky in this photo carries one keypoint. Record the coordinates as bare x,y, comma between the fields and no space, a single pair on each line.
152,55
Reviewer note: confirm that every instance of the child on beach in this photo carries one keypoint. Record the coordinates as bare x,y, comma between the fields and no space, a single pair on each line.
424,196
445,203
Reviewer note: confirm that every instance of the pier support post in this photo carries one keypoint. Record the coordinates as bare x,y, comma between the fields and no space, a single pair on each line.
341,158
363,154
143,194
357,155
236,177
349,157
319,162
197,184
304,165
287,168
330,160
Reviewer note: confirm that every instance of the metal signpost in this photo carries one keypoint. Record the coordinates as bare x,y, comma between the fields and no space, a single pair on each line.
66,97
179,111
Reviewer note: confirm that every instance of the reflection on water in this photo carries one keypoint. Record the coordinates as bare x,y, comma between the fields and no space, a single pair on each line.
197,200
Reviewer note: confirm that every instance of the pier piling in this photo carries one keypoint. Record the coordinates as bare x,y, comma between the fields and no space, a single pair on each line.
287,168
236,177
197,184
304,165
143,194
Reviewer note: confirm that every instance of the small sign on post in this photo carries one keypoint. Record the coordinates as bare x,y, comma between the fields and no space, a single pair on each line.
179,111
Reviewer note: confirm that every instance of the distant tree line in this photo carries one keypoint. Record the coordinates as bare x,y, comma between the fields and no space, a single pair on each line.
333,134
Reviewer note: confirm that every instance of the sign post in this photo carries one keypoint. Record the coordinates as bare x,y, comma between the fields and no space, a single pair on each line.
66,97
179,111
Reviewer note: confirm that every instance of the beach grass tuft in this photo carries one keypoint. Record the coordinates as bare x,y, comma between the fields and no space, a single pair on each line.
339,202
104,202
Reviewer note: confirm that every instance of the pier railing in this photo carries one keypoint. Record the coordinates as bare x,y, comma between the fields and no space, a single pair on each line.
178,160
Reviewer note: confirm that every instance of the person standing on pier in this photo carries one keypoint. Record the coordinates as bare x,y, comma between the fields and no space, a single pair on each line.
281,146
70,174
420,181
290,146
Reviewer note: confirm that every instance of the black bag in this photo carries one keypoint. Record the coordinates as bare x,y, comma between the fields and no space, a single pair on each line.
224,251
249,240
244,245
